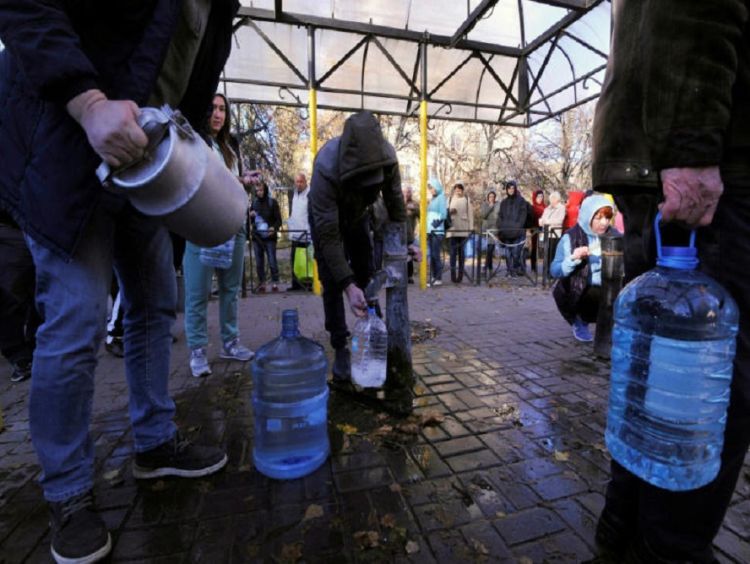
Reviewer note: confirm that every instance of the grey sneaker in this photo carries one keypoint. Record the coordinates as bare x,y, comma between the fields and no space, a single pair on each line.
78,533
233,350
199,363
178,457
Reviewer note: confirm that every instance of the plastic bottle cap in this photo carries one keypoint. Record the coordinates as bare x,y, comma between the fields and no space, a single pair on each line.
681,258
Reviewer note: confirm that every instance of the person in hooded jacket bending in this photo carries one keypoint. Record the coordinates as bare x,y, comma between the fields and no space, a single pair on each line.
578,266
349,173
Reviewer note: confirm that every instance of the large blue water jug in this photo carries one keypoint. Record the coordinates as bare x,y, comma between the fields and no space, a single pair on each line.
672,349
290,401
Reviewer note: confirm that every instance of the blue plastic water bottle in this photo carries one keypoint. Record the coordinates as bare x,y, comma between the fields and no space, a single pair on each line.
672,349
290,401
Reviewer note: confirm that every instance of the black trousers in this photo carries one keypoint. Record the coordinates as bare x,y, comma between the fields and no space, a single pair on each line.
359,253
18,315
458,252
680,526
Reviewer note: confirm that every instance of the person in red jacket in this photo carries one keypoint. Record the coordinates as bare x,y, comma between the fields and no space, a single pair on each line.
571,209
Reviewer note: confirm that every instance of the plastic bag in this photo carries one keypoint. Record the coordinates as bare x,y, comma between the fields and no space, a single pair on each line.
303,263
219,256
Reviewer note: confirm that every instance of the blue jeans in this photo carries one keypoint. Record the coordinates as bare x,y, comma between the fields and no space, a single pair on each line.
514,254
436,257
263,248
72,300
198,288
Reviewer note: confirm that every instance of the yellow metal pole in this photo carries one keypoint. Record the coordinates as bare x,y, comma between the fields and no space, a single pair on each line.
423,193
313,111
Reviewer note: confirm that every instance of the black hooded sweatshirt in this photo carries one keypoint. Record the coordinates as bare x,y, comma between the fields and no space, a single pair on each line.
338,201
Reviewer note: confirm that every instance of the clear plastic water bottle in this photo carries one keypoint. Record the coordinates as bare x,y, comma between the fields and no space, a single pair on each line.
673,345
369,350
290,401
261,226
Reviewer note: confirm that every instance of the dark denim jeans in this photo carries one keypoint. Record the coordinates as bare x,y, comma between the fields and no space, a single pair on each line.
72,300
435,241
513,250
17,311
663,526
265,248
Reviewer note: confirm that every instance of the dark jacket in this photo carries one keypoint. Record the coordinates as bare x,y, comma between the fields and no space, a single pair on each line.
268,208
338,202
569,290
676,93
58,49
512,217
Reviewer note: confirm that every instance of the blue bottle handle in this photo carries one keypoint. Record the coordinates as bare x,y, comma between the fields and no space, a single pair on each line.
675,257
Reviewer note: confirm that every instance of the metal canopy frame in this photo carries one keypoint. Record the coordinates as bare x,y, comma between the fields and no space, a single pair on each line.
522,101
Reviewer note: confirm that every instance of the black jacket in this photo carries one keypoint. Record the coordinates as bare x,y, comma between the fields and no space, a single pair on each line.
676,93
58,49
337,201
511,219
268,208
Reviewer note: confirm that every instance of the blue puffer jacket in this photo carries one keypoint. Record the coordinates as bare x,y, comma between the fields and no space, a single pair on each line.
58,49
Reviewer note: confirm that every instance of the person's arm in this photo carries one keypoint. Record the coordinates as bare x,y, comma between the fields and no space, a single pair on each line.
566,260
691,57
324,219
276,213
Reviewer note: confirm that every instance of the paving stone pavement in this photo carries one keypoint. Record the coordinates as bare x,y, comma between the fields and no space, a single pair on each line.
504,460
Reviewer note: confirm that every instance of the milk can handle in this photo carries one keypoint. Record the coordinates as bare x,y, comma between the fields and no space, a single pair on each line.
154,124
657,221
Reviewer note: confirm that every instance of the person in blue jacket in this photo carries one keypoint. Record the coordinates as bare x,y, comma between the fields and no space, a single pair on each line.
73,76
437,211
578,266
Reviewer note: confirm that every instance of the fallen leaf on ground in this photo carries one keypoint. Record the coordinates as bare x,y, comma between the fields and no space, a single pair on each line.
562,456
158,486
366,539
395,488
500,515
313,512
388,520
525,560
346,428
429,418
478,547
112,475
412,547
409,428
291,552
383,430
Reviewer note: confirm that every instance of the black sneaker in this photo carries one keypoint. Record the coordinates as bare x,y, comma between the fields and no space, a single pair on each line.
115,347
178,457
21,371
79,536
342,365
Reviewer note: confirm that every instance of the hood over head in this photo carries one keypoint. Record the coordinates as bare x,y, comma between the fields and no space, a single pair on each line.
589,207
435,183
363,151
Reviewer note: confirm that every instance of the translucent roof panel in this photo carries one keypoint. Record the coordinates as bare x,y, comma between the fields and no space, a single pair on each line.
496,61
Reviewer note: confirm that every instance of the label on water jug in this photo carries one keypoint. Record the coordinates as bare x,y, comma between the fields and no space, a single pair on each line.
677,381
273,425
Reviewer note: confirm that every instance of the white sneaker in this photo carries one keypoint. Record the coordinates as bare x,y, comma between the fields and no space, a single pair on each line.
233,350
199,363
437,283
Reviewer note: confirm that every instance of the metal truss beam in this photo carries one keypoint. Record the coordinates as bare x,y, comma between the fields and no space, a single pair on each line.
469,23
563,23
570,4
288,18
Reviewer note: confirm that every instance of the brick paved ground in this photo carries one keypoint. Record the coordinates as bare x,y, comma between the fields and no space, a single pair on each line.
514,471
